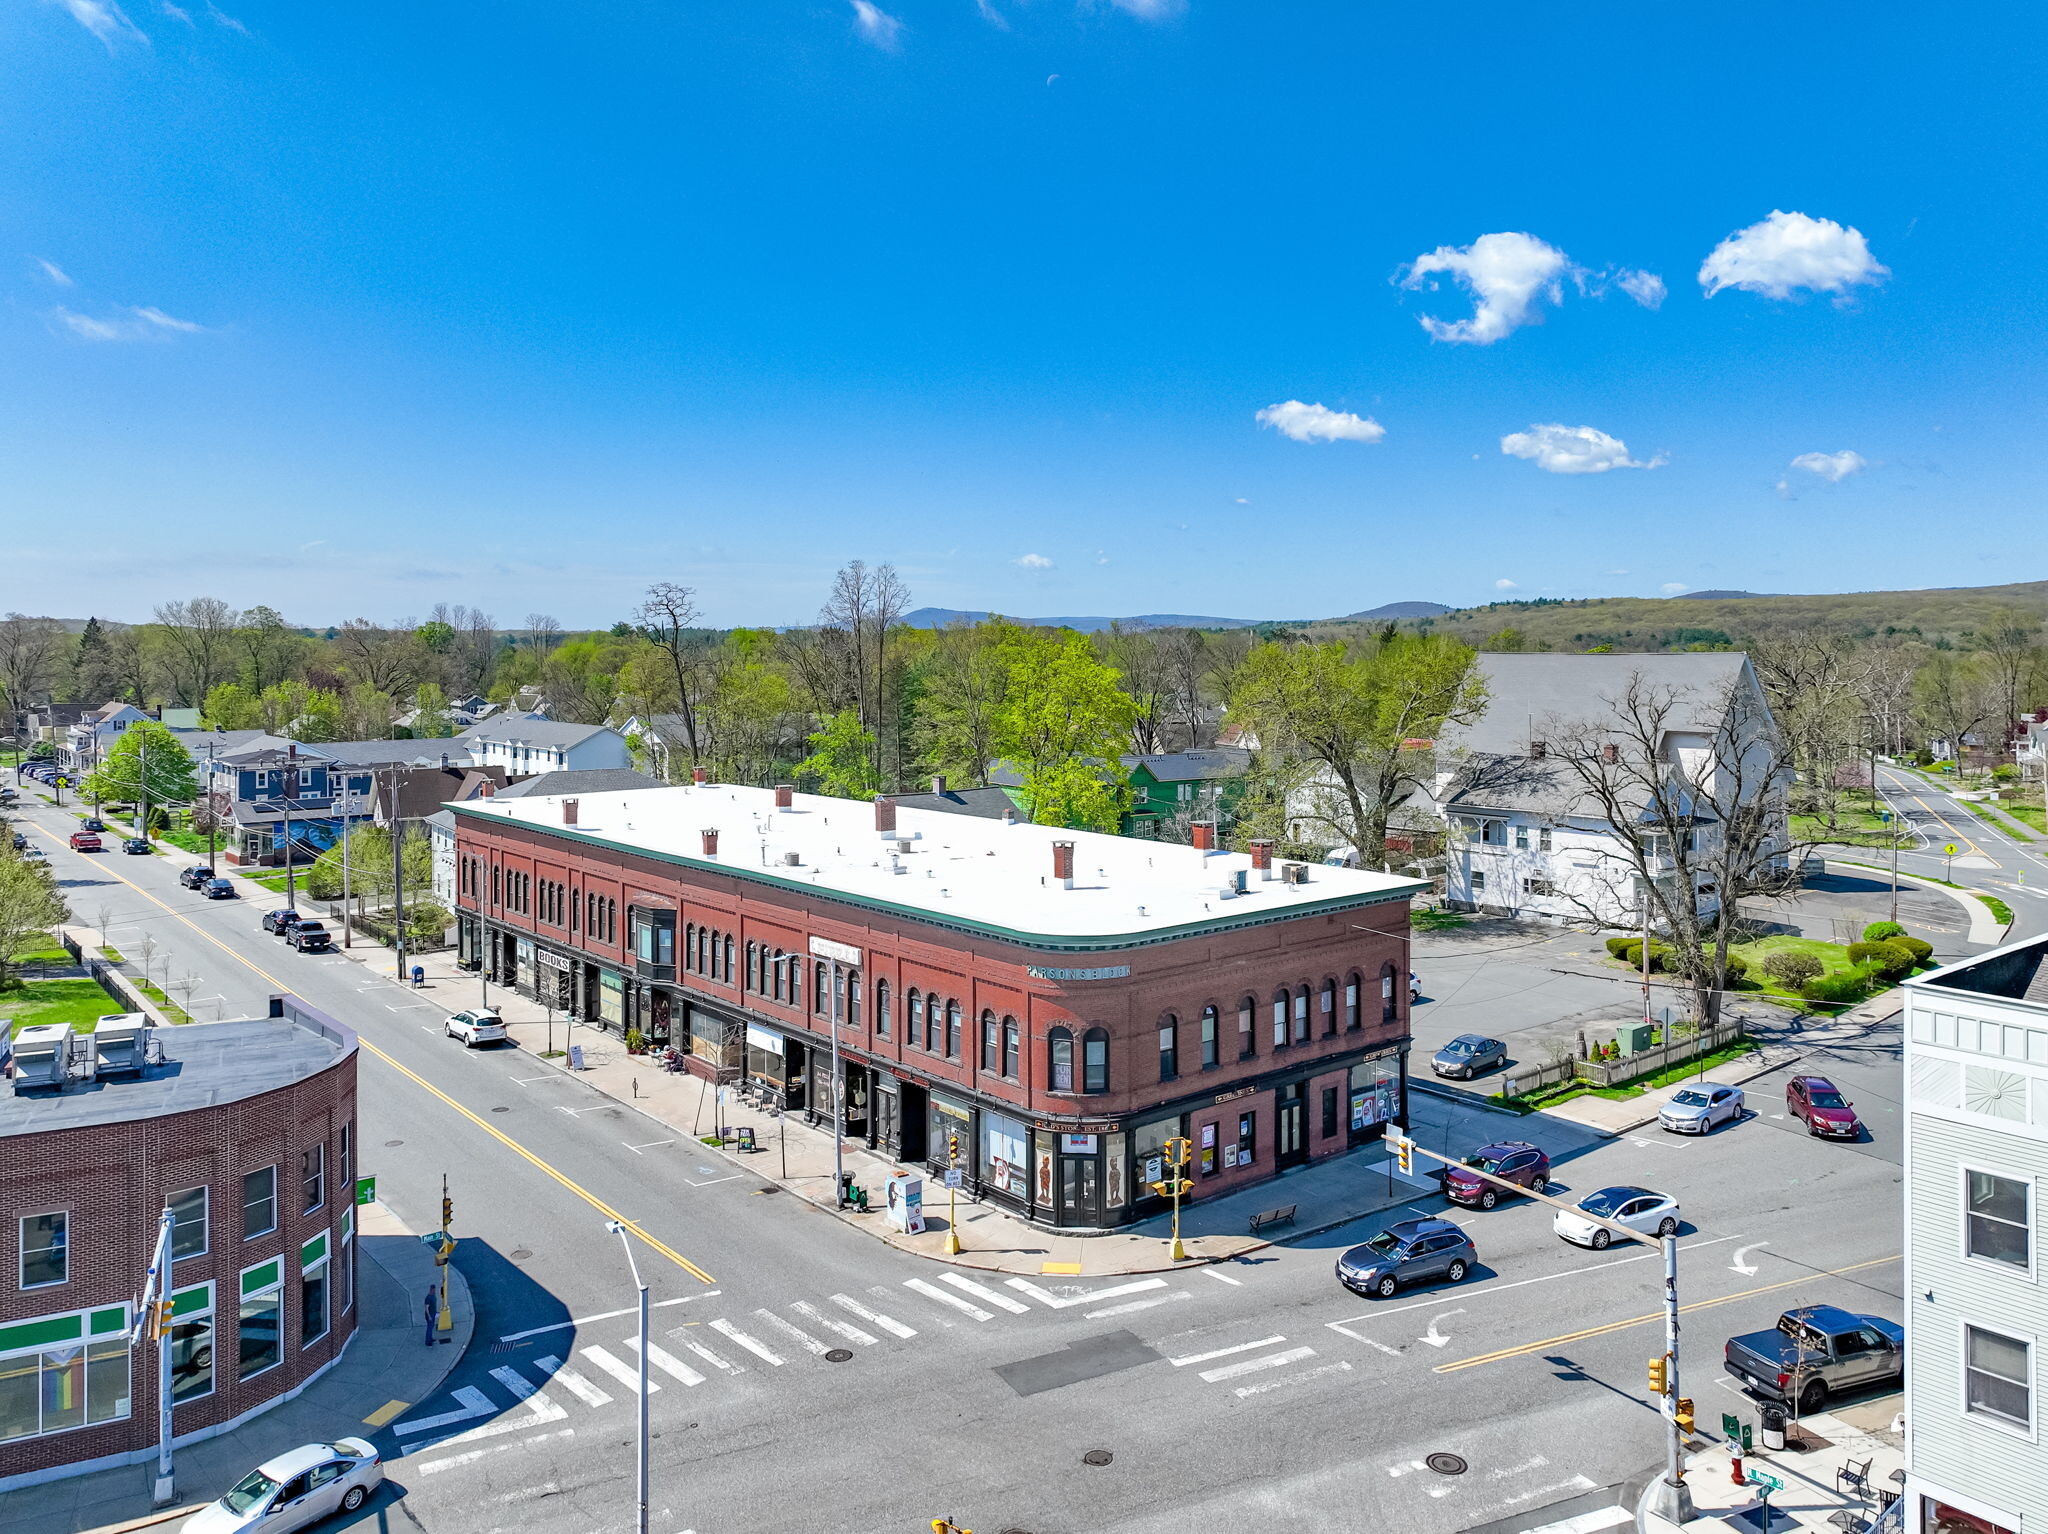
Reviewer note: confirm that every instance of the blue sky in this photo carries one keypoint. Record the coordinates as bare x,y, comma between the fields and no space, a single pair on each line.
351,309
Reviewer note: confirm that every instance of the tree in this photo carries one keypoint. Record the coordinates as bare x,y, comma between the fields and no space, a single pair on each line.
842,758
2012,648
1955,696
146,766
1063,724
386,660
1146,679
1793,967
1820,688
30,902
962,686
543,633
195,636
271,650
95,675
231,706
29,648
367,712
668,616
863,606
1368,714
430,717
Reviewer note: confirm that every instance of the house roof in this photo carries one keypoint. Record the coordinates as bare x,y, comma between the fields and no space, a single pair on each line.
987,803
1518,784
384,753
227,745
420,789
1523,691
524,730
1196,765
579,780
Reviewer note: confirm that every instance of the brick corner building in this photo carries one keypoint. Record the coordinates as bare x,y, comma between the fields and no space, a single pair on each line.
246,1130
1062,1002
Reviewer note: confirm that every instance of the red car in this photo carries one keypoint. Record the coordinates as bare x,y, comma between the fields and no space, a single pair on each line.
1819,1104
84,841
1515,1161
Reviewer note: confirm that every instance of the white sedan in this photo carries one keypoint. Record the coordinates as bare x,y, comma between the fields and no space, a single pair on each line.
475,1028
1697,1109
294,1490
1641,1210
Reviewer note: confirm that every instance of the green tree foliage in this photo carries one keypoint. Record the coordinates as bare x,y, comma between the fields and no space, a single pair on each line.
1878,931
369,865
231,706
842,758
1793,968
95,675
146,763
30,902
1062,724
431,721
960,687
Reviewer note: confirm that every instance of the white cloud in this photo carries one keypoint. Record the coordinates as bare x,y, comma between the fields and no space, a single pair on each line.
1507,274
103,19
1033,562
1150,10
1614,572
1832,467
56,273
176,13
1572,450
1789,251
139,324
1646,288
1504,584
1672,588
1318,423
222,18
876,25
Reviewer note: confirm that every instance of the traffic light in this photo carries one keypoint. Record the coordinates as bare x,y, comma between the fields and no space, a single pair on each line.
159,1319
1179,1152
1404,1153
447,1211
953,1146
1683,1414
1660,1375
948,1526
1173,1187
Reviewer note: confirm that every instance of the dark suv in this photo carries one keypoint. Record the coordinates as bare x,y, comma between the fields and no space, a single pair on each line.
193,875
309,937
1517,1161
1412,1251
281,921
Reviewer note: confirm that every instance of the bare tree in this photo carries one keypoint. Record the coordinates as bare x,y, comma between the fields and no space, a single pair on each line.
1146,677
1818,686
1956,696
389,660
543,632
668,616
2012,648
29,649
863,606
197,637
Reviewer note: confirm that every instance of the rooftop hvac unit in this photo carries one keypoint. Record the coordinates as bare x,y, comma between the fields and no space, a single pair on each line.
123,1043
1294,873
792,859
42,1057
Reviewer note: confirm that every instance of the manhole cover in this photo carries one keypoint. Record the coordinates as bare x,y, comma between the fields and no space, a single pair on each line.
388,1144
838,1355
1097,1457
520,1254
1446,1464
501,1110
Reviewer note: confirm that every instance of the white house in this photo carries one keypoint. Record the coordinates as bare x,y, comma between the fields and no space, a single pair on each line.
525,745
85,744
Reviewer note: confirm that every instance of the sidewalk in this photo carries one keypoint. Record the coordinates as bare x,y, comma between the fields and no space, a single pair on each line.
798,1158
1812,1497
383,1370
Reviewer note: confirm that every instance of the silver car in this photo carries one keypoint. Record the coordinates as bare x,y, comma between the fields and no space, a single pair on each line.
474,1028
1696,1110
294,1490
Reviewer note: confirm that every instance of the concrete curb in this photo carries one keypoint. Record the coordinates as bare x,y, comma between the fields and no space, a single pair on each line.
1984,926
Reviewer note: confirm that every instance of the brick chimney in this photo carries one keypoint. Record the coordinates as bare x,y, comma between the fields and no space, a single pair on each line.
1205,835
939,783
885,814
1063,863
785,795
568,812
1262,857
1538,749
710,835
1610,753
700,774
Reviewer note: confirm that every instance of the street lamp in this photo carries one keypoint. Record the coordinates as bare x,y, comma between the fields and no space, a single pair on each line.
153,1320
618,1228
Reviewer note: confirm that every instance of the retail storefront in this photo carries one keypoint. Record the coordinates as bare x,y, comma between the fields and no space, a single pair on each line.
1377,1091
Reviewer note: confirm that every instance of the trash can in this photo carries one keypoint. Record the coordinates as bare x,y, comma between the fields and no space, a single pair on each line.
1772,1416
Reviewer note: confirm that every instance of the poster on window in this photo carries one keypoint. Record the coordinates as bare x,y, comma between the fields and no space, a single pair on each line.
1043,1197
611,997
1002,1154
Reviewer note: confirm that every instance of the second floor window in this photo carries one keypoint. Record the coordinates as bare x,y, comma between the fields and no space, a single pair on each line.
259,1202
1209,1043
45,1256
1059,1052
312,1177
1095,1060
1996,1223
1169,1048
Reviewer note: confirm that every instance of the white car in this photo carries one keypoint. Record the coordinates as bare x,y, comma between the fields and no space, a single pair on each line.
1696,1110
475,1028
1641,1210
294,1490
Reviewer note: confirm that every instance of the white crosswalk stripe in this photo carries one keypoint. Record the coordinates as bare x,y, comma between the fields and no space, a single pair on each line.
1242,1347
708,1356
887,1323
759,1349
577,1386
1130,1305
1068,1301
1263,1386
845,1329
618,1369
1252,1365
984,1293
934,1292
800,1337
666,1362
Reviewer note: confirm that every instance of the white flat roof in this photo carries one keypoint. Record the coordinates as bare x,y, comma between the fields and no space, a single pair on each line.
961,870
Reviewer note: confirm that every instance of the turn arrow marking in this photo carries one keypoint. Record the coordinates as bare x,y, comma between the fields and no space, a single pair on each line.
1746,1269
1433,1337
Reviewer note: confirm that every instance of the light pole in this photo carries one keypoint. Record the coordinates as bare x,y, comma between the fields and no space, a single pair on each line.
153,1319
618,1228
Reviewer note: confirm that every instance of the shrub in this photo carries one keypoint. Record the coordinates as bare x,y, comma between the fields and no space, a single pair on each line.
1618,946
1893,959
2005,772
1921,951
1794,967
1878,931
1738,967
636,1041
1863,953
1841,989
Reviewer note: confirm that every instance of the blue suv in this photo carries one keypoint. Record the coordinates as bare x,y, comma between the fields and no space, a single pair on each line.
1413,1251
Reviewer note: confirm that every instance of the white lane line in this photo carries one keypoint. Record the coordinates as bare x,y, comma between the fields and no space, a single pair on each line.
609,1315
934,1292
474,1404
1130,1305
708,1356
1221,1277
759,1349
666,1362
646,1145
983,1292
433,1465
1065,1302
887,1323
618,1369
1596,1522
1340,1367
1576,1483
818,1317
571,1381
1253,1365
451,1462
1242,1347
800,1337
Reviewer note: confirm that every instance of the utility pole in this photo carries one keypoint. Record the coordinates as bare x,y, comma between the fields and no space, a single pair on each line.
838,1094
618,1228
397,880
1670,1498
1646,951
212,822
153,1319
348,930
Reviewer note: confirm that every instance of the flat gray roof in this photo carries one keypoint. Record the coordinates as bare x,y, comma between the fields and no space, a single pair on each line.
206,1065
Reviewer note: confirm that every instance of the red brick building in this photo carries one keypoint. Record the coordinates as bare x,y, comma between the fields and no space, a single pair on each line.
247,1132
1063,1002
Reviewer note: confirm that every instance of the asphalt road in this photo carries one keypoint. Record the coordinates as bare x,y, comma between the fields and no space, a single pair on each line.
1260,1391
1986,857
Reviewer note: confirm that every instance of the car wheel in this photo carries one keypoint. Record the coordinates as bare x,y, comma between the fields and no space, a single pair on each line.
1385,1287
1813,1397
353,1498
1669,1227
1603,1238
1456,1271
1488,1198
1541,1185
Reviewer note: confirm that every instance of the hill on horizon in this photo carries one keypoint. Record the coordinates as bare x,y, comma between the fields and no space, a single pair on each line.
1403,610
939,617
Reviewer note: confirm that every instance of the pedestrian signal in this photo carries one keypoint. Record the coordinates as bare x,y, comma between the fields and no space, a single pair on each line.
1683,1416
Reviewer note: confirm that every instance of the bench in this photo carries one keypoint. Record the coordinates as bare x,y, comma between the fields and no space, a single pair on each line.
1284,1215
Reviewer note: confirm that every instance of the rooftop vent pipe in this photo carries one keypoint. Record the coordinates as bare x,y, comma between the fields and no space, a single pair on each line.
569,808
1262,857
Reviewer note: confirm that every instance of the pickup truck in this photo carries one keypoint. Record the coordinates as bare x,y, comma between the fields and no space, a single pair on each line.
1815,1352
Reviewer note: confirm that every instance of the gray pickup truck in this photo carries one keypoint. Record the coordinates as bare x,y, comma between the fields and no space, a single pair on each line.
1815,1352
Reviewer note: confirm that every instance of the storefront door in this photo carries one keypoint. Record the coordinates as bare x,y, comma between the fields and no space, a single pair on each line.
1080,1191
888,1120
859,1090
1291,1143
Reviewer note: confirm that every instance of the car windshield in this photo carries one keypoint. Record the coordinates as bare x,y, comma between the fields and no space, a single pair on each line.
250,1491
1460,1047
1485,1163
1606,1201
1692,1098
1384,1243
1828,1100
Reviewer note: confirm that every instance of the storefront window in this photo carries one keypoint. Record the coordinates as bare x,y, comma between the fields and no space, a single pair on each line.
1095,1060
1375,1092
950,1118
262,1331
1059,1045
1148,1147
1247,1133
1041,1170
765,1058
192,1343
1002,1155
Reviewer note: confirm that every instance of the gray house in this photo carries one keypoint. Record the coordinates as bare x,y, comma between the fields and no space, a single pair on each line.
1976,1314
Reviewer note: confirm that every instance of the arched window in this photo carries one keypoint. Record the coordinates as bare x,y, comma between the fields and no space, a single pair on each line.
991,1041
853,997
1354,1016
690,944
1059,1059
916,1000
1301,1016
753,980
882,1009
725,972
952,1030
1169,1047
796,982
1329,999
1247,1027
1095,1060
775,969
821,988
1011,1048
1211,1047
1390,1007
1280,1018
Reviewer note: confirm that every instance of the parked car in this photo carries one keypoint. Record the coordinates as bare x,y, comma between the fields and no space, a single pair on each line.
194,875
30,850
1640,1209
85,841
294,1490
1817,1351
309,937
136,846
1411,1251
1467,1055
219,889
1819,1104
281,920
474,1028
92,823
1696,1110
1414,986
20,841
1518,1161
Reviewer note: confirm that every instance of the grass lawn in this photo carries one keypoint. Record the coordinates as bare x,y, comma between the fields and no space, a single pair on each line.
272,882
1834,960
41,948
81,1003
1436,919
1985,813
2026,811
1565,1091
1856,823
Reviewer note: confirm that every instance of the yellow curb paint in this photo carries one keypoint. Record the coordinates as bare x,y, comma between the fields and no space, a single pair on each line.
385,1413
1073,1268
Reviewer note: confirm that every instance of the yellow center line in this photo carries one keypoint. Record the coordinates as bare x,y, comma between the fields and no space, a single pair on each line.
1970,847
1654,1316
488,1128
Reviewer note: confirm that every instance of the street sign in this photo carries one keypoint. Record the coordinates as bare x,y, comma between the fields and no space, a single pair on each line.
366,1190
1731,1426
952,1177
1950,849
1885,816
1759,1478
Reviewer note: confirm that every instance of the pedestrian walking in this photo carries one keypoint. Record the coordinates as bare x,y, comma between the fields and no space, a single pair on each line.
432,1312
